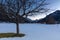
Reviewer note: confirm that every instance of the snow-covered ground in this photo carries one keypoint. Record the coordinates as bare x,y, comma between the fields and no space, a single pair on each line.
32,31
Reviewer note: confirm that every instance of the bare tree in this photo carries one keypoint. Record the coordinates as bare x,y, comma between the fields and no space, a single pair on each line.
24,8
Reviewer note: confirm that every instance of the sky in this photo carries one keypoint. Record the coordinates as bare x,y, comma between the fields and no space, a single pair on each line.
32,31
53,5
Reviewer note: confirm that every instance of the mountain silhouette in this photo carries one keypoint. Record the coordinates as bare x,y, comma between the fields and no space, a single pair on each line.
53,18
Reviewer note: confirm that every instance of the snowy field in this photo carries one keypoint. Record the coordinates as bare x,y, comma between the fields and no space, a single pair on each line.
32,31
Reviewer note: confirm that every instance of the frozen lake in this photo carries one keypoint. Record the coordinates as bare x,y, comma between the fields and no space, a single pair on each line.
32,31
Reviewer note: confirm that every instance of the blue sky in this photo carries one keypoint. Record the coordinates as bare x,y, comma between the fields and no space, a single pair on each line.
53,5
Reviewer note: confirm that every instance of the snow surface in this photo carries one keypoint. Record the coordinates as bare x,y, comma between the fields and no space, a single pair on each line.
32,31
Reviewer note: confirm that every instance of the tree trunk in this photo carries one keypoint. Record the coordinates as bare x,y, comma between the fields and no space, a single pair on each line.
17,24
17,28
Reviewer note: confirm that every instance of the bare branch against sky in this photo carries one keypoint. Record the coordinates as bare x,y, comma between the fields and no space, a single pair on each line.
25,7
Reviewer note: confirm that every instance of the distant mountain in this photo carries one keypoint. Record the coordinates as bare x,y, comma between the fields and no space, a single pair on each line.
53,18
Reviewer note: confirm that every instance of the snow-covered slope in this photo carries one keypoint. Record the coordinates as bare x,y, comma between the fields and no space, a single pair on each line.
33,31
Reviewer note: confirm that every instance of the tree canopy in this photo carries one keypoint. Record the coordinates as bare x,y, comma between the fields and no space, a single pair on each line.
24,7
